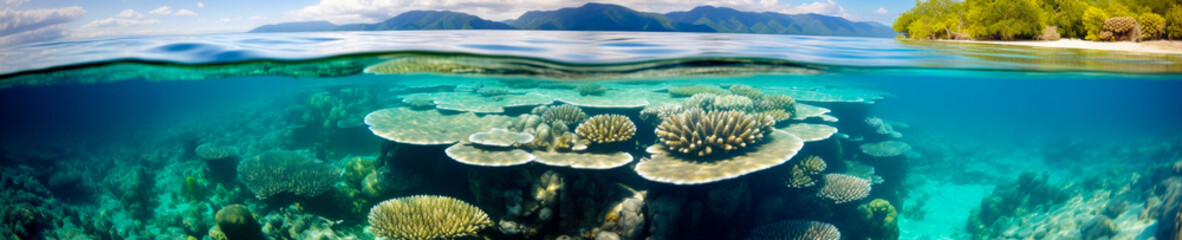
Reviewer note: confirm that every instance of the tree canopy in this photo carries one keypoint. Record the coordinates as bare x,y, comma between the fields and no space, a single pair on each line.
1027,19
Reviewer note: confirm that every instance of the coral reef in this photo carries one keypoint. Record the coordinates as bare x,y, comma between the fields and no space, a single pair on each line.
565,113
428,127
292,223
885,149
805,173
811,132
746,91
1029,192
419,101
654,114
583,160
841,188
686,91
426,217
487,91
677,168
500,137
485,156
287,172
607,128
701,133
236,222
879,220
27,208
591,89
796,230
214,151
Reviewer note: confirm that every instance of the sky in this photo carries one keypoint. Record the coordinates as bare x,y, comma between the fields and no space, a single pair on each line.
26,21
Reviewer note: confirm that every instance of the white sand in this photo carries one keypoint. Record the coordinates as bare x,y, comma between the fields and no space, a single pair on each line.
1156,46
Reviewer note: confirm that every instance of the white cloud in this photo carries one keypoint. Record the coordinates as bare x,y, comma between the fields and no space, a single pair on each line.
200,5
130,13
185,12
881,11
224,20
121,22
367,11
35,25
164,10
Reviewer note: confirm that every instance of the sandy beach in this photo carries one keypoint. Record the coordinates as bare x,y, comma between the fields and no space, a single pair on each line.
1156,46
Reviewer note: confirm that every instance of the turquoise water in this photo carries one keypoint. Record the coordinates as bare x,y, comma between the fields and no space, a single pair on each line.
313,133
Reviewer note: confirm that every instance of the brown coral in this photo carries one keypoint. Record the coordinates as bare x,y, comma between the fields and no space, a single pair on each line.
702,133
841,188
607,128
566,113
746,91
283,171
426,217
796,230
804,173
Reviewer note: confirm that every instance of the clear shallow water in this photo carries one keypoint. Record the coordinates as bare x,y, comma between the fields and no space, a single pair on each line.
109,149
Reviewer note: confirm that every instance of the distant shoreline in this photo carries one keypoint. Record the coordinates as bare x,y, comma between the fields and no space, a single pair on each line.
1155,46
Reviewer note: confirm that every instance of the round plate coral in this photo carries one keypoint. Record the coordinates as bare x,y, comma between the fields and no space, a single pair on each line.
667,168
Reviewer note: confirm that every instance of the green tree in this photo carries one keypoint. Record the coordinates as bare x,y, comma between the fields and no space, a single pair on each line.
1093,21
1067,15
1116,9
1174,22
1152,25
1005,19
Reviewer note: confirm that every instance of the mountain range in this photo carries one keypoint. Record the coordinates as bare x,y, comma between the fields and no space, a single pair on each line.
610,17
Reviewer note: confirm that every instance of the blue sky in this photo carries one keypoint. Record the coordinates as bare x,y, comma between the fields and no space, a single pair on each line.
23,21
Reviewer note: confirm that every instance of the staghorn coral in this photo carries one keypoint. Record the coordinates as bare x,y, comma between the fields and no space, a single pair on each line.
746,91
731,102
702,133
656,113
779,115
591,89
686,91
796,230
804,173
841,188
425,217
776,101
565,113
607,128
214,151
284,171
491,91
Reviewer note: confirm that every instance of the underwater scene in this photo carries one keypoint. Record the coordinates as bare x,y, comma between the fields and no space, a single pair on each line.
585,135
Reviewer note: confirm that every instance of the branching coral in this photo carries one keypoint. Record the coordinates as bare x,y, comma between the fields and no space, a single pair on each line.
607,128
656,113
841,188
565,113
283,171
686,91
774,102
213,151
492,91
746,91
591,89
702,133
796,230
426,217
804,173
